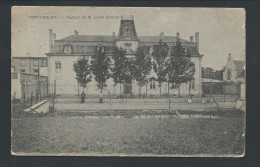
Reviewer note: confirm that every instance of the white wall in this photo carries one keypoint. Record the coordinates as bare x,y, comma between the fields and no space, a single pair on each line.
16,87
66,82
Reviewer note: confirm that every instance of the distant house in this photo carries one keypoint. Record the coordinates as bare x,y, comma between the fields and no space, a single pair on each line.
234,70
30,65
29,77
234,77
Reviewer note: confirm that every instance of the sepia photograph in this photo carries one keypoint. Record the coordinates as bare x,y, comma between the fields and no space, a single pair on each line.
128,81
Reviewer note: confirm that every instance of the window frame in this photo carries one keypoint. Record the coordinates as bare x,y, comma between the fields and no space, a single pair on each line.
152,85
192,85
22,62
57,70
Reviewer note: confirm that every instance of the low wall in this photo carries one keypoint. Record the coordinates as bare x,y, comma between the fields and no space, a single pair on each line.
41,107
241,104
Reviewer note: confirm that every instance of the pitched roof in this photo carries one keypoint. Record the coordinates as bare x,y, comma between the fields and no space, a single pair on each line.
110,38
157,38
85,38
239,64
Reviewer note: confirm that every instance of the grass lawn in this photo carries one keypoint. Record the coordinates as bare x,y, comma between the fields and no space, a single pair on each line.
59,134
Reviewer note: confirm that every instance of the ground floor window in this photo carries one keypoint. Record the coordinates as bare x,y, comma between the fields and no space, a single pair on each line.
152,85
174,86
192,85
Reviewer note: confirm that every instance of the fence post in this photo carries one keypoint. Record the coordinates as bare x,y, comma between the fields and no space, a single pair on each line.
53,94
31,98
109,97
14,101
40,96
24,97
224,93
169,97
55,88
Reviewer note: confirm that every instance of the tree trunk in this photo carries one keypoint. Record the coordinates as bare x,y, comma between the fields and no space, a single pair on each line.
140,91
120,91
179,93
78,89
160,89
169,97
101,95
146,89
189,88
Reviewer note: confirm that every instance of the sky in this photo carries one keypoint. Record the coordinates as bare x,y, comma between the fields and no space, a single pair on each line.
222,30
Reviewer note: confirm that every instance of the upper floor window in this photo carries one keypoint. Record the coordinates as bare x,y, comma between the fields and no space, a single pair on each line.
192,68
22,70
44,62
67,48
57,66
35,62
36,70
23,62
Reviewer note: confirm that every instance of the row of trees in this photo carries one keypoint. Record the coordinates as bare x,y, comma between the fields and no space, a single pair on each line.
173,69
208,72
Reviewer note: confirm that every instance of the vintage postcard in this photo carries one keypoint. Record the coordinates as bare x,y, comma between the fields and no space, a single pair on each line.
120,81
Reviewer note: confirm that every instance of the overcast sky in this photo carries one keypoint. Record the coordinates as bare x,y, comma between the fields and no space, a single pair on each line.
222,30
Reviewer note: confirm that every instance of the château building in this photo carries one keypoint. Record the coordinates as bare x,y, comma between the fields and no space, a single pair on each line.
66,51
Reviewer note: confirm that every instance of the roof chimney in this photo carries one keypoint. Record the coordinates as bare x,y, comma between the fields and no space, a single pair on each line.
191,38
161,35
178,35
229,57
54,37
76,33
197,40
50,40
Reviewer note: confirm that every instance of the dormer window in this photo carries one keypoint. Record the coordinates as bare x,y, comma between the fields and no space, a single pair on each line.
67,48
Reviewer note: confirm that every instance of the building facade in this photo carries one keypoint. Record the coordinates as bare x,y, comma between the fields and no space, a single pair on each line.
63,53
234,70
30,65
29,77
234,76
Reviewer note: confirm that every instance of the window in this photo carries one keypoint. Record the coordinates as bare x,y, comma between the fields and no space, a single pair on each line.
36,70
44,62
192,68
67,48
152,85
35,62
57,66
23,70
174,86
191,85
23,62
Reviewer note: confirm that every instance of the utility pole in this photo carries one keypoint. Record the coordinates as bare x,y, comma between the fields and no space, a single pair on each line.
38,83
30,63
210,88
38,77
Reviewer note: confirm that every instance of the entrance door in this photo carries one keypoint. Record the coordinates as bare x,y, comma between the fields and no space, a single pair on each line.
127,88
